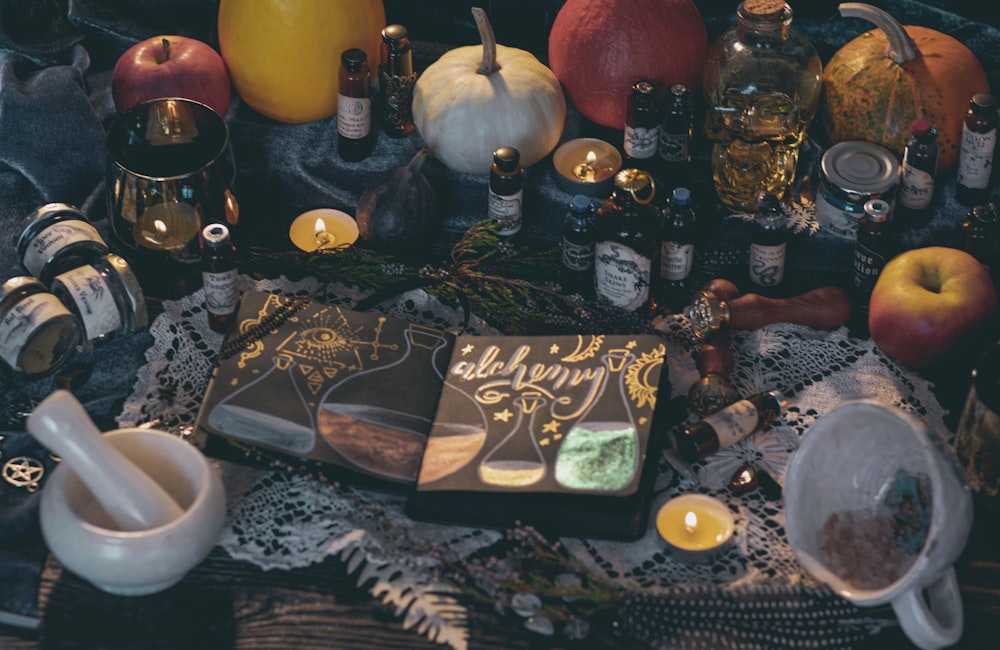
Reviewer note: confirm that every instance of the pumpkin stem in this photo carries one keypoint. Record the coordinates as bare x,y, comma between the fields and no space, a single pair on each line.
902,49
489,64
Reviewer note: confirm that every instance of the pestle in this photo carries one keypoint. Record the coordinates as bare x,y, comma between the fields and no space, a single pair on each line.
132,499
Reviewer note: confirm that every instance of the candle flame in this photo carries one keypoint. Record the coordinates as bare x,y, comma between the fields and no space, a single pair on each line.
591,157
320,226
160,226
690,522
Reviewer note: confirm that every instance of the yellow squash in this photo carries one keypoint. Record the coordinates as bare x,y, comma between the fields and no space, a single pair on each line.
283,55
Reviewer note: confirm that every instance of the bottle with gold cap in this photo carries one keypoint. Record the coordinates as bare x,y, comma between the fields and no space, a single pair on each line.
627,246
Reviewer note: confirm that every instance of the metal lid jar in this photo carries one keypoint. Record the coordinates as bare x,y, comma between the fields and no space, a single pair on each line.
55,238
105,296
38,333
851,174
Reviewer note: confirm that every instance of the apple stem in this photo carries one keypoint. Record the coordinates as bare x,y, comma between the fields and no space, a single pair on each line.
165,52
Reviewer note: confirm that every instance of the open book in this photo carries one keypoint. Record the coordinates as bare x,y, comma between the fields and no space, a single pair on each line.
550,430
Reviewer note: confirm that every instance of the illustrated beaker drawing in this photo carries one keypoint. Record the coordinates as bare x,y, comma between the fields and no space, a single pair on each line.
375,418
601,450
517,460
457,435
270,410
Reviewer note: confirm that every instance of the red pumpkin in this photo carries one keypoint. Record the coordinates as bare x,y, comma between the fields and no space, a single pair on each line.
599,48
878,83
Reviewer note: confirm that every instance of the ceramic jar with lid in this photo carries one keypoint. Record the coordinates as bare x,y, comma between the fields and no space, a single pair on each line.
105,296
55,238
38,334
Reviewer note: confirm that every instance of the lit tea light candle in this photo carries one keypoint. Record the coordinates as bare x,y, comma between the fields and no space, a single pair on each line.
586,166
695,526
323,228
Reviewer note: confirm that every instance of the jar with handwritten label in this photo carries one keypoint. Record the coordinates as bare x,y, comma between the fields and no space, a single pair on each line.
220,277
768,243
977,150
506,191
38,334
627,246
55,238
642,127
105,296
730,425
354,107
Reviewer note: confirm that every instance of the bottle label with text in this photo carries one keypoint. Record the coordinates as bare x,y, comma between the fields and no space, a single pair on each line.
54,239
676,260
222,292
733,423
976,160
621,275
506,211
640,142
767,264
95,301
577,257
354,116
916,188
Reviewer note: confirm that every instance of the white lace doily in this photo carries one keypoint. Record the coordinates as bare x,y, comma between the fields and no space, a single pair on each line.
280,521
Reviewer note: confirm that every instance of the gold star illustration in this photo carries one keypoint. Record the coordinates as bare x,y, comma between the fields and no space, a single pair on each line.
503,416
631,344
468,348
554,349
552,426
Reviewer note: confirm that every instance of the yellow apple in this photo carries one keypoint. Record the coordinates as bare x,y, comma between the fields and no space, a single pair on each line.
927,302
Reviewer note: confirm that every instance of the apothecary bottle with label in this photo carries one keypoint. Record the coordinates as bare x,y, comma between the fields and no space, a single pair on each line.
220,277
38,333
396,82
55,238
354,106
578,246
762,83
677,247
676,134
728,426
642,127
105,296
506,191
976,151
917,175
627,245
874,247
768,243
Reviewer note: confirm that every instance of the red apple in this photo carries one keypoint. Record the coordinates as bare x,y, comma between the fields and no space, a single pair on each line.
928,302
170,66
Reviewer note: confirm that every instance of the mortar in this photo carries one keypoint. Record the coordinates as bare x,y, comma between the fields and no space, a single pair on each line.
84,538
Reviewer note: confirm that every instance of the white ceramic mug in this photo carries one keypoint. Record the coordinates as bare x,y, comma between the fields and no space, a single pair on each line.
855,459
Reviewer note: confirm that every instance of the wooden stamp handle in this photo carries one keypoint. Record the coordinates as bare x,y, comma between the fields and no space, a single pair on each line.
822,308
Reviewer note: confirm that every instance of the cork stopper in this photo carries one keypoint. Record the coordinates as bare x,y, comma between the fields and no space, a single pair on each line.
764,8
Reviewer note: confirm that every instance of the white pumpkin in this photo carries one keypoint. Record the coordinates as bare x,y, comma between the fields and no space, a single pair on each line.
474,99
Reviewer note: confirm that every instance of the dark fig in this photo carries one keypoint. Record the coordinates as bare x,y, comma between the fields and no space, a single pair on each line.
399,207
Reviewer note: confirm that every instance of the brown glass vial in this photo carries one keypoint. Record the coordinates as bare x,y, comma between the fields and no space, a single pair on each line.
354,107
730,425
975,158
396,81
642,127
220,277
506,191
627,246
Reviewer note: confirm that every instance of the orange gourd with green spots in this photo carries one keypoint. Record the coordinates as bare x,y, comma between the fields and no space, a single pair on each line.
878,83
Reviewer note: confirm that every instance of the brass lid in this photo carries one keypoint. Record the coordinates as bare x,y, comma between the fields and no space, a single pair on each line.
636,182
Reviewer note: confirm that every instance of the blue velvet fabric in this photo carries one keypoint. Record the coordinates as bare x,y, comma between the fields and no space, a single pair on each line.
56,58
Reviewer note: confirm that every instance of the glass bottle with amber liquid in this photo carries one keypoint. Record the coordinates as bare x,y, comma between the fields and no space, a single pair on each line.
506,191
762,82
728,426
642,127
768,244
676,131
354,107
220,277
627,245
976,151
396,81
677,241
